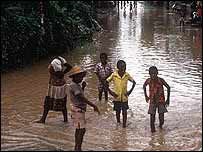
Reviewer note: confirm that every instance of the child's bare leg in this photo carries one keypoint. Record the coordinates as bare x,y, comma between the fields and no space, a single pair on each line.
106,95
161,120
65,115
82,135
45,113
76,139
152,121
100,95
124,118
79,134
118,116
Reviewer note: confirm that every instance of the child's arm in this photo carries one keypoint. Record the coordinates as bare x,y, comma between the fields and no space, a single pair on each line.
168,91
112,93
109,79
99,77
68,67
92,105
145,91
84,84
130,91
59,74
81,97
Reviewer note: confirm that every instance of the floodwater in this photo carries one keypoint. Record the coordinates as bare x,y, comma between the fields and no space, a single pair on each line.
146,36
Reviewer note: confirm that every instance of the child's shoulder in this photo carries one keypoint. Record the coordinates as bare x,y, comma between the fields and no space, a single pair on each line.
109,65
126,73
160,79
99,64
148,80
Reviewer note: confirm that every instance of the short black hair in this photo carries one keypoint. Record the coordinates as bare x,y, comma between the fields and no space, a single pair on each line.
153,68
103,54
120,62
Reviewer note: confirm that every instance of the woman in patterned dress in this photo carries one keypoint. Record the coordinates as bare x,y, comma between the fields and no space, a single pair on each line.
56,97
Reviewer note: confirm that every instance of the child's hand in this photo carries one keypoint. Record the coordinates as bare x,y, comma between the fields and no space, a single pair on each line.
147,98
84,84
114,94
127,93
167,103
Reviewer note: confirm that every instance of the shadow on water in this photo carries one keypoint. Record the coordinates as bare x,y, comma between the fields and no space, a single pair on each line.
143,36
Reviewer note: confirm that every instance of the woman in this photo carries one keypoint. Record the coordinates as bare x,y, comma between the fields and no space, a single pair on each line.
57,89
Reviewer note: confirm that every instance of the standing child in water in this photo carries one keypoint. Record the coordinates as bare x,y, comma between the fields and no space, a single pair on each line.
79,104
120,80
156,97
103,70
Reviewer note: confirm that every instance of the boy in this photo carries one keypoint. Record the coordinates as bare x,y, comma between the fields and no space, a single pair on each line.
156,97
103,70
79,104
120,79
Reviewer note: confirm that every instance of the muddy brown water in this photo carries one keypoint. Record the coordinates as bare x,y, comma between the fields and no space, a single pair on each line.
147,36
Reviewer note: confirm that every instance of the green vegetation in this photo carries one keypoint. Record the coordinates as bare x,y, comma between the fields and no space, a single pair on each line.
25,38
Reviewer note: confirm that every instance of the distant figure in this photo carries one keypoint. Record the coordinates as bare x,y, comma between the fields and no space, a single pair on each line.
193,7
103,70
134,2
156,97
120,80
56,97
131,6
124,5
79,104
182,17
124,13
174,7
199,12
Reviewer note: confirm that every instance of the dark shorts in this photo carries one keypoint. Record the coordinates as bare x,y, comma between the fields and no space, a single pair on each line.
102,88
153,107
118,106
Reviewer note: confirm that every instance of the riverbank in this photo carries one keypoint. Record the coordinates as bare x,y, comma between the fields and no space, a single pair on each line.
28,35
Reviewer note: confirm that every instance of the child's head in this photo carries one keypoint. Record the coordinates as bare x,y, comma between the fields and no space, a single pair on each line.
103,58
77,74
121,65
153,72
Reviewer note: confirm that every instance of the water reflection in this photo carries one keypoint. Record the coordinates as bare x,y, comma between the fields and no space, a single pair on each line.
119,138
158,142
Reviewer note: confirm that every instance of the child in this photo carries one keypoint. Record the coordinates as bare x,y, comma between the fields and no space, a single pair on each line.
56,97
103,70
79,104
120,78
156,97
182,17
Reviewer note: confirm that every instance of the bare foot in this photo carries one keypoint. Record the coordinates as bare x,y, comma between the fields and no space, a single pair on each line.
40,121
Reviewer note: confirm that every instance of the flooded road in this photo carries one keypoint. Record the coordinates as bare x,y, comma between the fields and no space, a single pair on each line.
146,36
